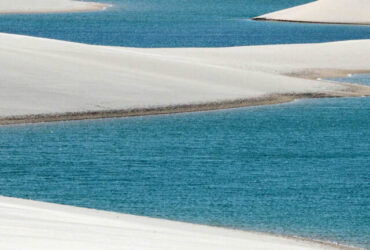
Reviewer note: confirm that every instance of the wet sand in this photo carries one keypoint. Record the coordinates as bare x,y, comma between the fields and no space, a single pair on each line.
356,91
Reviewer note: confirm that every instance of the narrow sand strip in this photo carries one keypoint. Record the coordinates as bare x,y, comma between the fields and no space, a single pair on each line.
47,6
31,225
324,11
57,80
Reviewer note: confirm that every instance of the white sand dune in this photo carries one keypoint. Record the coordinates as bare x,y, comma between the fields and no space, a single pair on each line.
40,6
42,76
325,11
32,225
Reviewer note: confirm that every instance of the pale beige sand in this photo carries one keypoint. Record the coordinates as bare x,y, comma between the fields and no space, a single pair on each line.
42,76
325,11
43,226
41,6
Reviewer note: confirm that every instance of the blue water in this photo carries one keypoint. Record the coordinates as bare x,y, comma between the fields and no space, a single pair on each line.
299,169
295,169
179,23
363,79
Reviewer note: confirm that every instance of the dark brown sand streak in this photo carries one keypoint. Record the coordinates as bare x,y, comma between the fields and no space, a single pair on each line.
352,91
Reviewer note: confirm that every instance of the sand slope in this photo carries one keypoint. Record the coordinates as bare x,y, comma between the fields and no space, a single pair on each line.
325,11
40,6
35,225
42,76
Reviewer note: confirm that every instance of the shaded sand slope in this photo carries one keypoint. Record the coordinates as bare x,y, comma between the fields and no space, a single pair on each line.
42,76
39,6
36,225
325,11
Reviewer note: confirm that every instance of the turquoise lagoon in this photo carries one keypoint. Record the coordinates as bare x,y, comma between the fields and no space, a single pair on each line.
179,23
299,168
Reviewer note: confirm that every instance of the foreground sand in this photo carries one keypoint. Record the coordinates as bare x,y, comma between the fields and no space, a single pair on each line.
41,6
35,225
44,80
325,11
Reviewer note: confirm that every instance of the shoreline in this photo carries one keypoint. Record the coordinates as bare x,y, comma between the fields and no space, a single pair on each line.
352,91
89,115
266,19
160,233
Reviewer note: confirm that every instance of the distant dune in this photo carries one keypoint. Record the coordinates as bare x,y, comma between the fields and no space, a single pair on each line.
40,6
325,11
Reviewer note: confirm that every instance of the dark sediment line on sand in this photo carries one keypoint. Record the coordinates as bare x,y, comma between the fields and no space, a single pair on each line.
348,90
299,21
267,100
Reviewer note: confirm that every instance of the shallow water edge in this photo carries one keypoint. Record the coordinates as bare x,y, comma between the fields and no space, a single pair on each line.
352,90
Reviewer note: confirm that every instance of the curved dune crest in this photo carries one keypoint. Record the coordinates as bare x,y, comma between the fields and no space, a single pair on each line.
32,225
48,6
325,11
